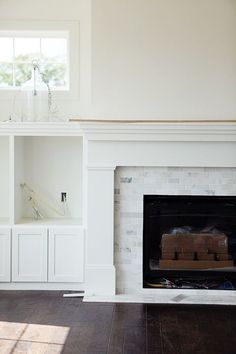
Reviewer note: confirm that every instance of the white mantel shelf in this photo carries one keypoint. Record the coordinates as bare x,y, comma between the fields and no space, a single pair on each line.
160,131
126,131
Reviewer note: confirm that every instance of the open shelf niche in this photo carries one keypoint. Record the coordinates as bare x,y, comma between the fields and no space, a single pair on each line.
4,180
49,166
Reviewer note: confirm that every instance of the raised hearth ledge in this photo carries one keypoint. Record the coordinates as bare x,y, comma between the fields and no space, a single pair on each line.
171,296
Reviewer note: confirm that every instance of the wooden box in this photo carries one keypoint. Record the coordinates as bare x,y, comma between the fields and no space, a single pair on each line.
190,243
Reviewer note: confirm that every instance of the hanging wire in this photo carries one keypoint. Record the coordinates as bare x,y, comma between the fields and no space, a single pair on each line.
42,75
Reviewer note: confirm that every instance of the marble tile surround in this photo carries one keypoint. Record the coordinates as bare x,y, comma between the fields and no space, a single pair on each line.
131,183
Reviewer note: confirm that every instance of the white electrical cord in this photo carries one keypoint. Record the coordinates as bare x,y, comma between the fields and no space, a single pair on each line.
35,198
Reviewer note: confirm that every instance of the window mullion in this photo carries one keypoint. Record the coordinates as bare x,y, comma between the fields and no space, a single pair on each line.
13,64
40,49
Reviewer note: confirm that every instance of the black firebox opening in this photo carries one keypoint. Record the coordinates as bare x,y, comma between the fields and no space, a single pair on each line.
164,214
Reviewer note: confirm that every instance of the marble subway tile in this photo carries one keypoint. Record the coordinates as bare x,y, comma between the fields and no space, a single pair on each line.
173,180
126,179
131,232
131,183
131,215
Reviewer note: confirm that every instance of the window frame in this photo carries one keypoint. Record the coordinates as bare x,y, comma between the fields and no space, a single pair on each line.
48,29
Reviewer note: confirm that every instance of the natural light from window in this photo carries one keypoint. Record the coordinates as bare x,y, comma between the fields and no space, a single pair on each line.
18,50
32,338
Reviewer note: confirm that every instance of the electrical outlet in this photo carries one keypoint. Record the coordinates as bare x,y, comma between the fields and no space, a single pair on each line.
63,197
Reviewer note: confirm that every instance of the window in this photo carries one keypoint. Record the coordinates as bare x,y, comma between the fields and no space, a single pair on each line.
19,49
54,44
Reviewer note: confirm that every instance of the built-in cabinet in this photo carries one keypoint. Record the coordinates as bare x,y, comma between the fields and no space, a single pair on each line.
37,169
66,255
41,254
29,254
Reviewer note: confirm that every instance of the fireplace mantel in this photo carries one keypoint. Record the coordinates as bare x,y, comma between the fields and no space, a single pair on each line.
108,145
129,130
159,130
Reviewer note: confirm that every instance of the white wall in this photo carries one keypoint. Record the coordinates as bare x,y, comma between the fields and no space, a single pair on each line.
164,58
150,58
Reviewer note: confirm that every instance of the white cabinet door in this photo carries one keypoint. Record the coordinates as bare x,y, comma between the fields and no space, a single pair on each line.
5,254
66,254
29,254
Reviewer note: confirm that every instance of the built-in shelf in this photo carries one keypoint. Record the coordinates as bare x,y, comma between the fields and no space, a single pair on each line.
49,166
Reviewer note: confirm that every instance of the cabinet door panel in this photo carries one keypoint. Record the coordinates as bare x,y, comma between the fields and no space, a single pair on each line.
5,255
66,255
29,255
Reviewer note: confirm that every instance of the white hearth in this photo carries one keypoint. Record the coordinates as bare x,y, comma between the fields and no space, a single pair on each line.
204,153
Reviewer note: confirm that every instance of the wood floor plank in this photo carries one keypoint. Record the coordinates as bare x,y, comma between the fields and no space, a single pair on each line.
87,339
129,315
128,334
154,342
170,334
127,340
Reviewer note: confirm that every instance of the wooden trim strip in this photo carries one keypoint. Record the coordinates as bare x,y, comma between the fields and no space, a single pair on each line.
154,121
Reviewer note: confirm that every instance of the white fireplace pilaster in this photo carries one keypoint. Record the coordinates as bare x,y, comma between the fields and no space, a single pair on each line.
100,270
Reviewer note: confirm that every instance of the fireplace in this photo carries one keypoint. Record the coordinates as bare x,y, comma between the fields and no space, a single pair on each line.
189,242
148,158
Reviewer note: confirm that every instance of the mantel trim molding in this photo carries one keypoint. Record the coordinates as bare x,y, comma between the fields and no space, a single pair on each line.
154,121
98,130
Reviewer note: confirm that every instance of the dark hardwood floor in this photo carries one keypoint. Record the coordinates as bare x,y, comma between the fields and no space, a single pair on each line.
45,322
